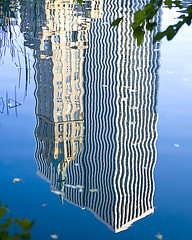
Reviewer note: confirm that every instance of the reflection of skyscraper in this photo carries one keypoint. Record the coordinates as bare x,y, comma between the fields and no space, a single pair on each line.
59,39
112,174
120,122
119,153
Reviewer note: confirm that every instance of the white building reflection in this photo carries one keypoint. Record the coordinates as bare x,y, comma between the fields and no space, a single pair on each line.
96,110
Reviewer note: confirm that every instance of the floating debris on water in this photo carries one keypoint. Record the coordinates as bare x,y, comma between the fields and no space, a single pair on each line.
185,79
79,186
133,107
93,190
54,236
80,190
159,236
76,164
68,185
169,72
132,123
176,145
44,205
17,180
132,90
57,192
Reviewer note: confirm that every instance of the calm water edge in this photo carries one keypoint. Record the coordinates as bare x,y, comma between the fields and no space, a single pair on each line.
95,132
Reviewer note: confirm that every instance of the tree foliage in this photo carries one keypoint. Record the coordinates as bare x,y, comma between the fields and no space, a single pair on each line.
144,19
8,224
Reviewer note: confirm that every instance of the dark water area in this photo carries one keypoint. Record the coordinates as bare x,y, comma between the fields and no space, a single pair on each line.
95,131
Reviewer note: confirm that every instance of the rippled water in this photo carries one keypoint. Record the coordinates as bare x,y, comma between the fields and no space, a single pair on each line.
96,129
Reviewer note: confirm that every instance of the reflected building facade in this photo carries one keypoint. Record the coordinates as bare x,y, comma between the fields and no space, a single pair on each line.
96,106
122,130
8,14
59,39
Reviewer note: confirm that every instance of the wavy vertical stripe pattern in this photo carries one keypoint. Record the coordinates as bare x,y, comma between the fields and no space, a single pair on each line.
113,174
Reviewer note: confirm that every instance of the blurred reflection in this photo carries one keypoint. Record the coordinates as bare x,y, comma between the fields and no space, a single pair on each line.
95,107
59,38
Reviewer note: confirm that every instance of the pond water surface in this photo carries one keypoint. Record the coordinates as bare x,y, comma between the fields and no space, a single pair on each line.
95,132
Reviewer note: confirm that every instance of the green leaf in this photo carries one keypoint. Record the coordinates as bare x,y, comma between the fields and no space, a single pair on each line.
159,36
182,16
139,34
80,1
24,235
4,235
150,26
3,210
139,16
116,22
188,21
178,4
170,32
168,3
7,224
25,224
189,10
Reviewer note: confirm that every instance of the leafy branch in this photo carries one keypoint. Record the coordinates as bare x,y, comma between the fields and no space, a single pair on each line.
144,20
24,224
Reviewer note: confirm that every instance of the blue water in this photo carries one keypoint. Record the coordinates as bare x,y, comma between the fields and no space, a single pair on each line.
112,135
